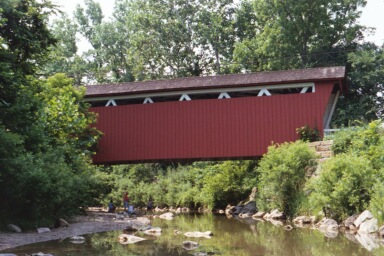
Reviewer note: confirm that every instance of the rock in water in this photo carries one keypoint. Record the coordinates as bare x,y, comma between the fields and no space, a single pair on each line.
129,239
206,234
14,228
190,245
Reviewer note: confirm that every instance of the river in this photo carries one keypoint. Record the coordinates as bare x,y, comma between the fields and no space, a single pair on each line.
242,237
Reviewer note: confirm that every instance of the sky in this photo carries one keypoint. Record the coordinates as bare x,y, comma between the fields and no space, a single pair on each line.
372,15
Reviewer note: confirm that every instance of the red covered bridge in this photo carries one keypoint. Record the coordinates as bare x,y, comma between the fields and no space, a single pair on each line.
215,117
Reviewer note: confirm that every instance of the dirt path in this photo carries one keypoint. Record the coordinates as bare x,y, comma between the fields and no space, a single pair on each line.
95,221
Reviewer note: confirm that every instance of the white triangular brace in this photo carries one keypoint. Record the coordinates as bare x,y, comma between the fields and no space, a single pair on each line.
148,100
184,97
224,95
304,89
111,103
264,92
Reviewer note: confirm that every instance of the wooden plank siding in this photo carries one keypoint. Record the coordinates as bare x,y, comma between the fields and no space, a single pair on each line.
208,128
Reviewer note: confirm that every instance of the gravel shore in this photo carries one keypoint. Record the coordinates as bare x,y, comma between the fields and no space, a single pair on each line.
93,222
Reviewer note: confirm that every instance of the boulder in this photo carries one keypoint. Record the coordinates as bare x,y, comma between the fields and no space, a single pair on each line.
362,217
238,209
368,226
249,208
349,222
258,215
206,234
153,231
275,214
14,228
137,226
368,241
167,216
245,215
327,225
129,239
230,209
43,230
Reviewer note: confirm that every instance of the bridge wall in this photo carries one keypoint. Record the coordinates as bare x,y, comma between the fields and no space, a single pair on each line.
206,129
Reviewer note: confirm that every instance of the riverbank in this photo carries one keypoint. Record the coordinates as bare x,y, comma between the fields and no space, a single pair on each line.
93,222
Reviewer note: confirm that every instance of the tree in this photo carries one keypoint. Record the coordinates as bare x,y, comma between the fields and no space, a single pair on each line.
297,34
63,57
45,135
364,99
24,37
216,28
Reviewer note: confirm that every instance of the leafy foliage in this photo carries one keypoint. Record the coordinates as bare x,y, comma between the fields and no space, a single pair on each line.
200,184
349,181
345,185
301,33
364,100
282,174
308,134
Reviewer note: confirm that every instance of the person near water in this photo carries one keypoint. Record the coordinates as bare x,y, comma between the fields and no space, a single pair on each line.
126,200
111,206
150,204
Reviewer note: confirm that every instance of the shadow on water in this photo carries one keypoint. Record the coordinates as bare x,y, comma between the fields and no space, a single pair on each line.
243,237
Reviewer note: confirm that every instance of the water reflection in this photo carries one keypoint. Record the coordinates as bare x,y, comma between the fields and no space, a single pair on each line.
243,237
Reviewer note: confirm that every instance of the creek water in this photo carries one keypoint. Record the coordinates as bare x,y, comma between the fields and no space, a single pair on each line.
231,236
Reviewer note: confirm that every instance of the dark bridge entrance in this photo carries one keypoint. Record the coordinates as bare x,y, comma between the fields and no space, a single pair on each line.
217,117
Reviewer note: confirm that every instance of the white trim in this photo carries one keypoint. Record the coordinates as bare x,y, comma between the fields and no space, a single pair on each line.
184,96
224,95
147,100
111,102
263,92
202,91
332,110
304,90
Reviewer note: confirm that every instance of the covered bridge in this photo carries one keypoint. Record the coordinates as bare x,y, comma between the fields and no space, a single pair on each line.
211,118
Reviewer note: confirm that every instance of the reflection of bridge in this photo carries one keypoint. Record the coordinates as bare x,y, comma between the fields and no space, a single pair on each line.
216,117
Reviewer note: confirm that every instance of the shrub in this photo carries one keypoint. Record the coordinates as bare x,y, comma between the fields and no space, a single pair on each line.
308,134
376,205
282,176
344,184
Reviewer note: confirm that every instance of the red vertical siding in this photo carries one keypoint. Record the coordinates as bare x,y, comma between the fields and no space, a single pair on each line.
206,129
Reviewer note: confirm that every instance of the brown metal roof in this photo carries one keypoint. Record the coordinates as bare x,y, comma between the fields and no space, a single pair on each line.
208,82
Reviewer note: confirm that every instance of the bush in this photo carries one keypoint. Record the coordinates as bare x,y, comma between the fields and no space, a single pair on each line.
308,134
345,185
282,176
376,205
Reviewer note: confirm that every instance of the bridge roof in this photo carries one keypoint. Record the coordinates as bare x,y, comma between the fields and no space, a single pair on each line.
219,81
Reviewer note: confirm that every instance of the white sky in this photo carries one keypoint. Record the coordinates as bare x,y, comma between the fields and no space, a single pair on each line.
372,16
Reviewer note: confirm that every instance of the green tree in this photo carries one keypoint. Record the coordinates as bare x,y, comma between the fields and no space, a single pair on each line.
63,57
107,61
298,34
364,99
